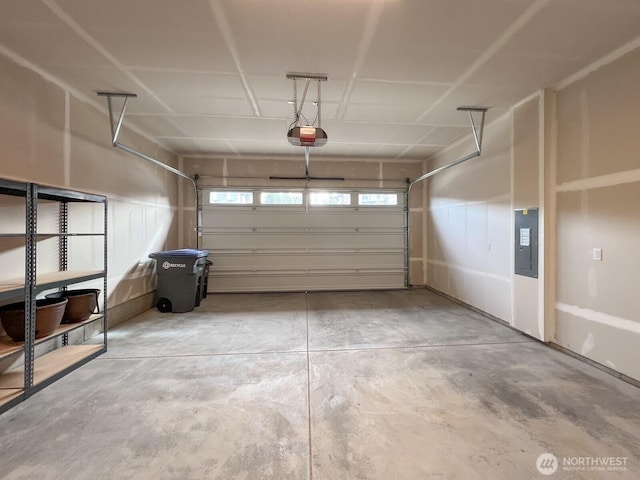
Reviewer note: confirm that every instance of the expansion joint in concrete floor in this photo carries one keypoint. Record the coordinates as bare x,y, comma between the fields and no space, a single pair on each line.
330,385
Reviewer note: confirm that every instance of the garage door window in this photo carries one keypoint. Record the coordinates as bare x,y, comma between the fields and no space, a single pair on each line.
329,198
231,198
378,199
281,198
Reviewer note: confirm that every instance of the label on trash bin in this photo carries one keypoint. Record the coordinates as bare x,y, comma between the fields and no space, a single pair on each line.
168,265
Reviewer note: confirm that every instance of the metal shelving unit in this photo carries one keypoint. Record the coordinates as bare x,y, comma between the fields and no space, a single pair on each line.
38,371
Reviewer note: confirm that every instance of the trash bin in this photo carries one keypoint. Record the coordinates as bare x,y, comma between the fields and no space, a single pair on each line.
182,279
205,276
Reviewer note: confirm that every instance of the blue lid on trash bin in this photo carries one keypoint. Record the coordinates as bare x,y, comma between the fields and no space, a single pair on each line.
183,252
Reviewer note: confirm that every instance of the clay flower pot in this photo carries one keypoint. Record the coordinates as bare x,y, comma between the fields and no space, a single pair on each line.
49,313
82,303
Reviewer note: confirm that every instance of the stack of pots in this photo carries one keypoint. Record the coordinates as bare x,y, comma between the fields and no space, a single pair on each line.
82,303
49,312
68,306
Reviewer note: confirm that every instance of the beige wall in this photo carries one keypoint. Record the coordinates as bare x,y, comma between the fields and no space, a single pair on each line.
247,172
572,153
527,180
49,136
598,195
469,225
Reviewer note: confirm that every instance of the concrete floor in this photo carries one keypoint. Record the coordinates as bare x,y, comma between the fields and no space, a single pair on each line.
354,385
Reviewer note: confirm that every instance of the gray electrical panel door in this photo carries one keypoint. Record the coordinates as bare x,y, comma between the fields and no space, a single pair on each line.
526,248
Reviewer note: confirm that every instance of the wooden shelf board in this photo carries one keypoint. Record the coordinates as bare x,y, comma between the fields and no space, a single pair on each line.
11,285
9,346
51,277
79,234
17,284
9,394
13,379
55,277
61,195
67,327
54,362
49,365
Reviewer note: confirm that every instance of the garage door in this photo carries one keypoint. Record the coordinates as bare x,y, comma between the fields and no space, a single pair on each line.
304,240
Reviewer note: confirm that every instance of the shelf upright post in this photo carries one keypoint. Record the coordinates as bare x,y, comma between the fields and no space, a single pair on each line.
105,323
407,253
63,246
63,260
30,285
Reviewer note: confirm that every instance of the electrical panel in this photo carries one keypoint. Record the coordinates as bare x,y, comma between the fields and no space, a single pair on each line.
526,242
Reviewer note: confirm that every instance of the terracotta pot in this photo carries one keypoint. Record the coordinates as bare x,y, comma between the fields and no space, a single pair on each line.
49,313
82,304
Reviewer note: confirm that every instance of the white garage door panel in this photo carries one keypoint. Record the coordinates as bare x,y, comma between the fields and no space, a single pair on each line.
266,218
290,262
315,240
242,217
304,248
310,282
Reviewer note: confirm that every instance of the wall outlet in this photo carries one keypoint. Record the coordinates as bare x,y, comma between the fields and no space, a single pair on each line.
597,254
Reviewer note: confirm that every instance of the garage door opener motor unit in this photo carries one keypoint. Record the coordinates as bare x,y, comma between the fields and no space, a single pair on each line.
308,134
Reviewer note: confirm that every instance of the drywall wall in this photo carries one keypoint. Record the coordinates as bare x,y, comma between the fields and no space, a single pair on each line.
50,136
597,197
361,173
469,223
572,153
527,180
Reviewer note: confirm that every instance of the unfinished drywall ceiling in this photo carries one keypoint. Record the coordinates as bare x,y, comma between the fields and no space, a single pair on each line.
210,74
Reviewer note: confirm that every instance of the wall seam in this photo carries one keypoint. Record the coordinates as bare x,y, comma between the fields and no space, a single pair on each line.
542,218
600,181
66,139
551,256
512,319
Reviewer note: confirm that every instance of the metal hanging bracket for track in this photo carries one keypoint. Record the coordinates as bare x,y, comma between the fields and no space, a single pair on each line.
115,132
321,77
117,125
477,133
477,137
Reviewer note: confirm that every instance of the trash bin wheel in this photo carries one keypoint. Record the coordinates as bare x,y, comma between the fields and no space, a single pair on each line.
164,305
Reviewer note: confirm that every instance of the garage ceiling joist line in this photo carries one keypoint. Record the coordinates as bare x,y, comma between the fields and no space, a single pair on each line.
115,132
